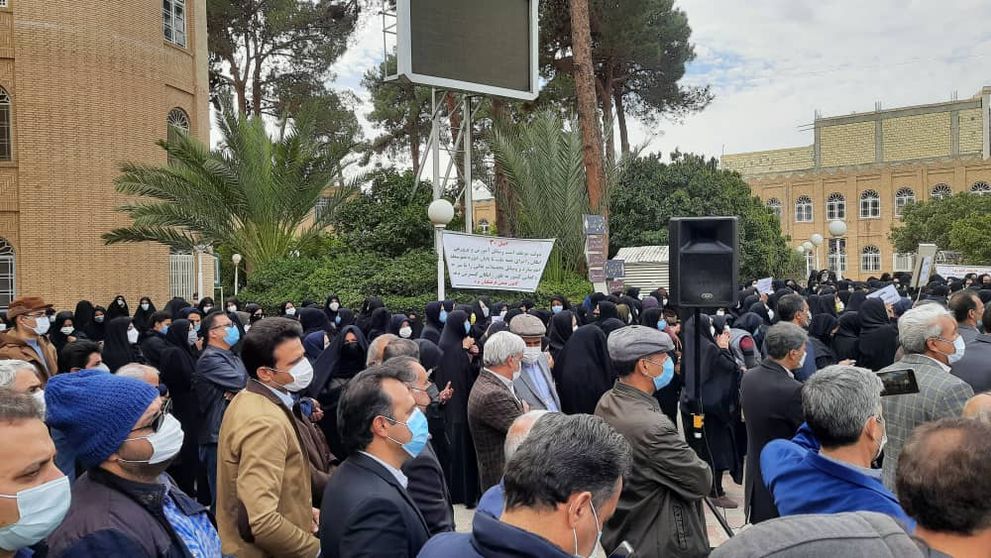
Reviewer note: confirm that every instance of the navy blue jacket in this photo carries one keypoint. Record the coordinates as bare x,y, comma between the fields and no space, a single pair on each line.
217,372
490,538
804,482
493,501
366,513
111,517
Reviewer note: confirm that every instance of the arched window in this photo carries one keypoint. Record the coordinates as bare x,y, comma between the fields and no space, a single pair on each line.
870,258
178,123
6,127
774,204
941,191
981,189
903,197
803,209
837,255
483,226
8,271
870,205
835,206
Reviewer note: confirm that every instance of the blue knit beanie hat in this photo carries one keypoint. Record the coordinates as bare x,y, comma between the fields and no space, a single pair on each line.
96,411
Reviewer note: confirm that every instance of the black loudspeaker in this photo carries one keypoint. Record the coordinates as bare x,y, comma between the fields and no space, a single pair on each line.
704,268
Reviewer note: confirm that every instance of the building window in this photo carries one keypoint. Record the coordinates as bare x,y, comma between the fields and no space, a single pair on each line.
803,210
904,262
870,205
321,207
3,3
483,226
8,271
981,189
903,197
774,204
835,207
174,21
941,191
177,122
837,255
6,127
870,258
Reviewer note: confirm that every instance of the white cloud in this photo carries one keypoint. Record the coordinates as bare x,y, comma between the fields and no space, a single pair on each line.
772,63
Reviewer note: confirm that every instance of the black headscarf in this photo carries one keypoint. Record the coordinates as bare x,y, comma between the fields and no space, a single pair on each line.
455,367
368,307
822,327
347,318
584,371
857,299
651,316
761,311
175,306
336,361
396,323
332,314
560,330
433,326
83,315
115,310
378,323
204,302
719,372
312,320
846,341
117,351
58,338
813,301
878,336
178,336
142,317
827,304
430,355
94,330
313,345
984,294
749,322
610,325
607,310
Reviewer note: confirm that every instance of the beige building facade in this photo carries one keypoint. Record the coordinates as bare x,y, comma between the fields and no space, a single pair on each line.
862,169
86,87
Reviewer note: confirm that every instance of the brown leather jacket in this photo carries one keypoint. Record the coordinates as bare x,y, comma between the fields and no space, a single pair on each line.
322,461
13,347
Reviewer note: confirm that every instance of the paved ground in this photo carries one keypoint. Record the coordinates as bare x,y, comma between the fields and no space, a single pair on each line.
717,536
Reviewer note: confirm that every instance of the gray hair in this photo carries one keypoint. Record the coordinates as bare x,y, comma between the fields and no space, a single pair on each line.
15,407
136,371
784,337
377,348
838,400
920,324
9,370
401,348
564,455
500,346
519,430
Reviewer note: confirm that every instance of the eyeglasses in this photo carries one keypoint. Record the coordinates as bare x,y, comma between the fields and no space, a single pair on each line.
159,419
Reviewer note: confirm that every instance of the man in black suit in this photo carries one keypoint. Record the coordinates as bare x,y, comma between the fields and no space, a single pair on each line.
975,366
772,408
368,510
427,485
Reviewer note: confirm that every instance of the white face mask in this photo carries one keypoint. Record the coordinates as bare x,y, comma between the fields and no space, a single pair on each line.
290,311
41,509
51,319
720,312
67,330
770,314
598,538
884,439
302,375
191,337
41,325
801,363
165,443
531,355
132,335
145,306
3,326
334,306
712,331
39,397
98,319
232,308
405,332
519,369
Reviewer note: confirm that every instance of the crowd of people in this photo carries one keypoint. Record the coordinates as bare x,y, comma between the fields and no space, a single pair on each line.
213,430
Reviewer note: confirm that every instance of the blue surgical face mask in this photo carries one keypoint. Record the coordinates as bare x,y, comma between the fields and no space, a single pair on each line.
959,346
556,308
467,327
337,320
165,330
667,374
443,316
417,425
41,509
662,324
232,336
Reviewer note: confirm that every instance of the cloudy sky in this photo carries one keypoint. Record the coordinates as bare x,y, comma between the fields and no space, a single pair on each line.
772,63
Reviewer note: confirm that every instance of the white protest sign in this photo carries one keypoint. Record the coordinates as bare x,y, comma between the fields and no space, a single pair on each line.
488,262
888,294
765,285
959,271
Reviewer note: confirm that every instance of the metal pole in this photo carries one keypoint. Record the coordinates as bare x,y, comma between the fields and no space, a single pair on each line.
435,140
699,416
440,262
469,195
235,279
199,273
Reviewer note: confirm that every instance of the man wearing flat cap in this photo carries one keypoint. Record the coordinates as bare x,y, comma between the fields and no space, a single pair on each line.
660,509
535,384
26,339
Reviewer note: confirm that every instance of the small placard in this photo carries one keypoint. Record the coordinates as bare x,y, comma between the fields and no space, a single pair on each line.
765,285
595,224
888,294
615,269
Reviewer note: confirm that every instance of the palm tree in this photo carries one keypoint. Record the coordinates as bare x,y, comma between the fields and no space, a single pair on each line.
253,194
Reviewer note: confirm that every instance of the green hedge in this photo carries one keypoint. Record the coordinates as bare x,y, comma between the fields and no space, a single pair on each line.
405,282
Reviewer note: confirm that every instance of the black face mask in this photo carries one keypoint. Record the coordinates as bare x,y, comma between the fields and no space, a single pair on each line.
256,317
352,351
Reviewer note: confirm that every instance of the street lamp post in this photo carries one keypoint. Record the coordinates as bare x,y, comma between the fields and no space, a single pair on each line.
837,229
440,212
816,241
236,258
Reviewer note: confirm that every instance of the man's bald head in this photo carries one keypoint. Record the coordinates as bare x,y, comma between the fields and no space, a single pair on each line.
519,430
376,349
979,408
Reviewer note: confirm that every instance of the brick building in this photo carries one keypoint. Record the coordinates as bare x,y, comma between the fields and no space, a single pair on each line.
84,88
863,168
